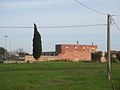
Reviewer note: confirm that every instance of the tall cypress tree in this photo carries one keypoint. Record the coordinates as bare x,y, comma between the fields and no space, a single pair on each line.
37,44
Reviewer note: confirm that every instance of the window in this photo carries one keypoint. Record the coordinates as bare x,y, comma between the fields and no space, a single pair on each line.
93,49
84,49
76,49
67,49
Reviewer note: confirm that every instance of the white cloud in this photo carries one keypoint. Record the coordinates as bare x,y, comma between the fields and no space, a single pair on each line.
30,3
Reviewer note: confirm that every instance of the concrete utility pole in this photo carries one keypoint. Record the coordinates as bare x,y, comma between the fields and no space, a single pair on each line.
109,69
6,46
108,48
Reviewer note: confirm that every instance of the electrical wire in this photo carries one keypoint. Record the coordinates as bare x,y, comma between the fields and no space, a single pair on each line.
73,26
115,23
67,26
14,27
90,8
115,15
93,9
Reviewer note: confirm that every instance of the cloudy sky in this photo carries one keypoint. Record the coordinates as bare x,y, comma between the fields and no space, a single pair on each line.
24,13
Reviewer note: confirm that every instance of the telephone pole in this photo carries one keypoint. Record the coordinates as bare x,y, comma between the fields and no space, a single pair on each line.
108,48
109,69
6,47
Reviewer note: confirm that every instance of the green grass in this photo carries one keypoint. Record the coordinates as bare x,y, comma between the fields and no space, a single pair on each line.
57,76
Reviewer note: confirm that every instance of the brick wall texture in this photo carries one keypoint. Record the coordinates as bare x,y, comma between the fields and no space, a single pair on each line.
72,52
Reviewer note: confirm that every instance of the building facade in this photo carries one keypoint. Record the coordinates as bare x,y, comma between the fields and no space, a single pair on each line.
72,52
75,52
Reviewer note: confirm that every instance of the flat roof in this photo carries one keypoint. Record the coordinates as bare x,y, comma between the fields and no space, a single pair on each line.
75,45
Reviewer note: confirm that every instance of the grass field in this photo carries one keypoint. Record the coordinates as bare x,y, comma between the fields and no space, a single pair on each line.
57,76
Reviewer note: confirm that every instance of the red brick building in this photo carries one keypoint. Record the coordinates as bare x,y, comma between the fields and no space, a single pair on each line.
75,52
72,52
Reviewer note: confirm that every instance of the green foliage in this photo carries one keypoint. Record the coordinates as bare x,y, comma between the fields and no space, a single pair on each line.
118,56
95,56
57,76
37,45
22,54
2,51
115,57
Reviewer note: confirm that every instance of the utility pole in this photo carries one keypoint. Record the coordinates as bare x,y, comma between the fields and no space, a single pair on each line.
108,48
109,69
6,47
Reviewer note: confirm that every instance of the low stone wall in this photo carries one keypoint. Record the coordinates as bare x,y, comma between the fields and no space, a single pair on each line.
7,62
42,58
53,58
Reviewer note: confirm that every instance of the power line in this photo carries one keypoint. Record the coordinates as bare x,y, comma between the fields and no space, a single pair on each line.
93,9
115,23
14,27
115,15
74,26
90,8
67,26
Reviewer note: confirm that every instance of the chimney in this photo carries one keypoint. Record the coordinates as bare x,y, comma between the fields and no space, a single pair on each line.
92,44
77,42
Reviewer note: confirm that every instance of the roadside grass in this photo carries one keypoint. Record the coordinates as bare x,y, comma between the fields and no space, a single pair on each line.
57,76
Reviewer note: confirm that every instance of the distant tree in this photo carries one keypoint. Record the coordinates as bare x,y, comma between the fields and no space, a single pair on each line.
114,57
118,56
20,52
2,51
95,56
37,45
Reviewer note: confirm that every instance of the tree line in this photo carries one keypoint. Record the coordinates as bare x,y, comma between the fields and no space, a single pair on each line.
115,56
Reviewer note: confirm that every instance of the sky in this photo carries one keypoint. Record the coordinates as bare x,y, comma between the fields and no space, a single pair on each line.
24,13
